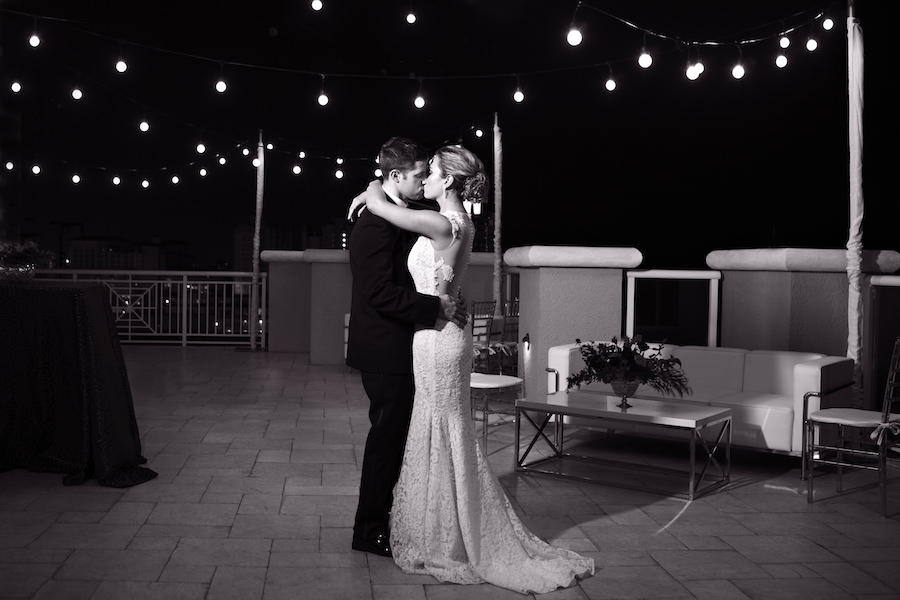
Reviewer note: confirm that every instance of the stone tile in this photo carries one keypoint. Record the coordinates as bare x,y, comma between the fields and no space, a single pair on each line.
626,583
128,513
791,589
188,573
779,549
398,592
623,538
686,565
68,590
260,504
95,536
322,583
23,580
319,505
222,552
20,528
114,565
715,590
181,513
237,583
275,526
133,590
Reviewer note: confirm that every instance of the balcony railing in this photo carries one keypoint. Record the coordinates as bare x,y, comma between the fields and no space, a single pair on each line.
184,307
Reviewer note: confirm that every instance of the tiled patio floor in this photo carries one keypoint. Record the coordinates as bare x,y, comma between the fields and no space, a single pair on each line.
258,456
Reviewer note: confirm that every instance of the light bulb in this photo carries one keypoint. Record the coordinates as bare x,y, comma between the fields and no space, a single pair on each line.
419,102
738,71
479,133
297,170
518,96
201,148
202,172
76,178
827,24
645,60
411,18
811,44
610,84
34,40
378,172
144,126
784,42
16,87
323,99
316,5
699,66
301,154
36,170
781,61
77,94
221,86
574,37
246,151
222,160
692,72
338,174
175,179
116,180
121,66
9,165
255,162
339,161
145,184
269,146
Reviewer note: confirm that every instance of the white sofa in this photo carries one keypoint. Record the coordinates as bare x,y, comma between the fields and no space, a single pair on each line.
764,388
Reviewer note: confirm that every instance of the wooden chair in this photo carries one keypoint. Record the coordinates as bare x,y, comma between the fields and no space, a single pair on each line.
879,429
481,320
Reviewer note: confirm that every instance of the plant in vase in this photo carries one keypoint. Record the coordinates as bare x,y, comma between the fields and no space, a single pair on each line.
627,363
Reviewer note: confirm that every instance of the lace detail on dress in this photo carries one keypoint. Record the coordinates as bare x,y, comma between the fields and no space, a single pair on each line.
451,518
445,270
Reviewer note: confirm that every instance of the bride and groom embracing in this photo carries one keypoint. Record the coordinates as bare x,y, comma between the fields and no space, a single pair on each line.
427,496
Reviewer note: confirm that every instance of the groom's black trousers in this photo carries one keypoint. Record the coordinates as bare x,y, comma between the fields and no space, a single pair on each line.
391,400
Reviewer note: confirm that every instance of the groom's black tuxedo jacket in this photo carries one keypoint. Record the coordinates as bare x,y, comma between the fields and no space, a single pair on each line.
384,305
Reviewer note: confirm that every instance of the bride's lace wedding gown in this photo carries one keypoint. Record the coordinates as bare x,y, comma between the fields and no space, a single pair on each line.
450,517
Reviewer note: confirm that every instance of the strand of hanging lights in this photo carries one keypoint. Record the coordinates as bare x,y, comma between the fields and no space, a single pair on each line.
574,37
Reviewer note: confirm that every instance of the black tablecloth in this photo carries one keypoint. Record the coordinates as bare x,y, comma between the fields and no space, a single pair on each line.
65,400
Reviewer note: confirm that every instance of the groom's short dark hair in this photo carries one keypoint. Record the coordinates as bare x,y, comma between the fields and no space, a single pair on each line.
400,153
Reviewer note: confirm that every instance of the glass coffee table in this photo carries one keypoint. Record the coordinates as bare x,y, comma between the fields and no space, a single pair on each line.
708,429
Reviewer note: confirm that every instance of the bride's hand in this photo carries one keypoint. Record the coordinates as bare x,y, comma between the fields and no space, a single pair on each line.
358,204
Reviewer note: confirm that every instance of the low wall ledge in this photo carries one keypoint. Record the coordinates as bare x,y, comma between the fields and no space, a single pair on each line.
800,259
573,256
272,256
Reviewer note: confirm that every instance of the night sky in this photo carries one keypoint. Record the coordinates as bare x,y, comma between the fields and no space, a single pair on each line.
672,167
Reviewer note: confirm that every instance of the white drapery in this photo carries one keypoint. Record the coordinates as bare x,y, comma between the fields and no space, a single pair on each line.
854,239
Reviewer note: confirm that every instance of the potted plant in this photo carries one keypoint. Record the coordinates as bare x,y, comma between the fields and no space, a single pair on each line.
19,260
625,364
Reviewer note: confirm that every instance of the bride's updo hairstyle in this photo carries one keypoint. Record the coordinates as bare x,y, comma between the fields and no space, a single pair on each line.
467,170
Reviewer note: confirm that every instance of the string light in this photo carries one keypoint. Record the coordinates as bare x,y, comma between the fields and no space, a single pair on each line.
255,162
781,60
221,86
16,87
738,71
201,148
323,99
316,5
35,40
784,42
479,133
202,172
297,169
645,60
145,184
411,18
811,43
144,126
77,94
222,160
419,102
121,66
338,174
610,82
36,170
9,165
175,180
518,95
827,24
76,179
574,36
116,180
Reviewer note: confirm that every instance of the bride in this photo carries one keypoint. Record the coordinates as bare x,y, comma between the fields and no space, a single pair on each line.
450,517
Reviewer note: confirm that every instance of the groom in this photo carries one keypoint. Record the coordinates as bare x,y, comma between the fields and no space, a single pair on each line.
384,311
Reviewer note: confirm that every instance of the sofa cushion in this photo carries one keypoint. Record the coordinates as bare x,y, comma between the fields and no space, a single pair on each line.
712,368
760,420
773,371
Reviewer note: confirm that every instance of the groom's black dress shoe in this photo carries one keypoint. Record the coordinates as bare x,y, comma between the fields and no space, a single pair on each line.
380,545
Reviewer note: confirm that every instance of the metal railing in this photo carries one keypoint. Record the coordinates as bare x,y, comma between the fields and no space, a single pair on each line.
186,307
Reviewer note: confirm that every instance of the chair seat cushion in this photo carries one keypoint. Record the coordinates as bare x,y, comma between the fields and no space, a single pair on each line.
853,417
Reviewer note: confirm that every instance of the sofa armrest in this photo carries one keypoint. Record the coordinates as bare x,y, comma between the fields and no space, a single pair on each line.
820,382
560,365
